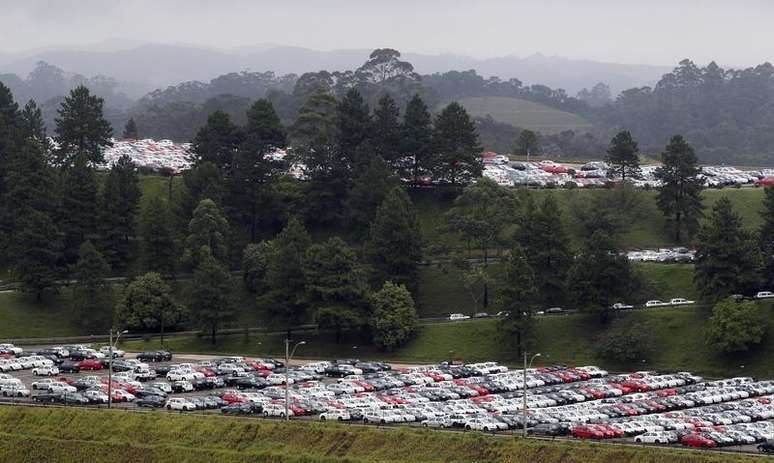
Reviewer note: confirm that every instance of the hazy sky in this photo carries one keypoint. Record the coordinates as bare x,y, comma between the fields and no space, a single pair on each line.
633,31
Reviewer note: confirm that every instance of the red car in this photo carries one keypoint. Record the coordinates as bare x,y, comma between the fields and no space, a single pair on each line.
697,440
205,371
586,432
232,397
765,181
90,364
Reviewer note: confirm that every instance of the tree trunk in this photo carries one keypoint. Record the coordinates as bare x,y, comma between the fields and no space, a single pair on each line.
162,330
486,283
338,335
212,335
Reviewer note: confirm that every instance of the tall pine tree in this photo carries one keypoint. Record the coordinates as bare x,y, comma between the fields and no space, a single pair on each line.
81,129
417,141
679,197
119,203
767,237
78,210
217,142
394,247
212,294
387,132
623,156
517,298
158,252
456,141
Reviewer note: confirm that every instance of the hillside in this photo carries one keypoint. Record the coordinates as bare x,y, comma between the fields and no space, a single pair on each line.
524,114
36,434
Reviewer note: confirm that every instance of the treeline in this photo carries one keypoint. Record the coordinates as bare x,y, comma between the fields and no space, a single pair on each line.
725,113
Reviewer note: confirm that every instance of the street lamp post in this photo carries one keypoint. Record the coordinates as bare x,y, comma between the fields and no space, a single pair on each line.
110,364
288,356
524,391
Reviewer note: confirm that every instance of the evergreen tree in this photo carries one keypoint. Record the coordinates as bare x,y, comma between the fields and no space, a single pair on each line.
368,191
158,252
34,253
89,273
217,142
394,247
208,227
600,275
119,202
456,141
33,125
78,211
623,156
255,265
394,321
253,169
767,237
285,299
81,129
147,304
130,130
727,258
212,293
353,125
203,180
544,239
517,298
9,123
417,141
679,197
326,166
335,287
387,132
528,143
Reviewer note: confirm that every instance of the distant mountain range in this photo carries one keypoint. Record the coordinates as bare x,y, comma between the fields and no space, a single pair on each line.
143,67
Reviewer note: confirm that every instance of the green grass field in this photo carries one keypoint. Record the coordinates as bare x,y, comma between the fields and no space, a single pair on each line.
524,114
33,435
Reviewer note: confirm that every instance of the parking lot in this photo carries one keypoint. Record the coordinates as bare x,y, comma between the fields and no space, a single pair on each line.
562,402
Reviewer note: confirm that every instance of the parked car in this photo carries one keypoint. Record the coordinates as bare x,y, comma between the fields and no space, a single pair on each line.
46,371
621,306
655,303
154,356
458,316
764,295
180,404
680,301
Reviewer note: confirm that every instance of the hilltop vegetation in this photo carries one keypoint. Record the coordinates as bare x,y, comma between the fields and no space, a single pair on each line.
525,114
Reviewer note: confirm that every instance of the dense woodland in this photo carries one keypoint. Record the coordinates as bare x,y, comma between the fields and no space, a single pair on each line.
726,114
239,211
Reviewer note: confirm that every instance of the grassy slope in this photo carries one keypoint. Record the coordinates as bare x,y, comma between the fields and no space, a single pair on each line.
33,434
524,114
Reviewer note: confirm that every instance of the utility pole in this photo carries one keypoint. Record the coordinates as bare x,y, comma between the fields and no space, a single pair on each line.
288,356
110,365
524,392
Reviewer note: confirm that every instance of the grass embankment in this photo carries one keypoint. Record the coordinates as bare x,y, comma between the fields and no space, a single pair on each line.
677,336
68,436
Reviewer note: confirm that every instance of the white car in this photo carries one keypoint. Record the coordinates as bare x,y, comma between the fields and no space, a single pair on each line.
10,365
458,316
11,348
274,410
657,437
180,404
105,350
14,390
96,396
163,387
335,415
680,301
655,303
45,371
764,295
61,388
43,384
621,306
178,375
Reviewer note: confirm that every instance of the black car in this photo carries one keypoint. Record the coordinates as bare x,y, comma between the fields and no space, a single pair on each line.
241,409
766,447
251,382
78,355
73,399
201,384
121,365
145,393
83,384
69,366
154,356
46,397
151,401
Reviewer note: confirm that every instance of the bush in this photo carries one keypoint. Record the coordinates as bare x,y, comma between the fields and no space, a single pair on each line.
735,326
626,343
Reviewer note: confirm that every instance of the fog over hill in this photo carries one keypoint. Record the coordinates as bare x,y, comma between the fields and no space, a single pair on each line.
152,65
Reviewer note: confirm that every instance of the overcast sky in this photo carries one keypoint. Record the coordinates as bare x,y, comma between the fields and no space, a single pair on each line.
733,33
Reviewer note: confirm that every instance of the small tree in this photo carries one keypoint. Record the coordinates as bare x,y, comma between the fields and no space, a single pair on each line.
211,296
130,129
89,273
369,189
255,265
626,343
147,304
158,252
735,326
623,156
207,228
394,320
727,258
517,299
527,144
